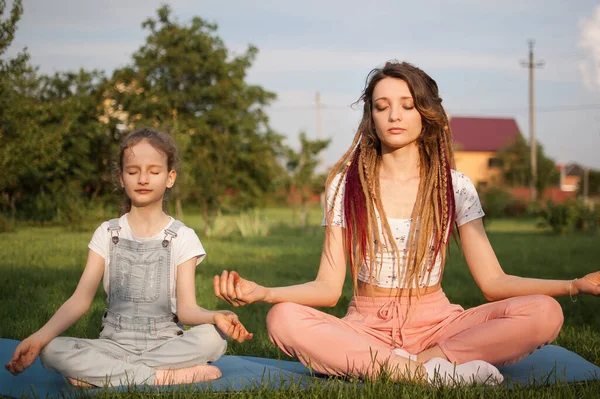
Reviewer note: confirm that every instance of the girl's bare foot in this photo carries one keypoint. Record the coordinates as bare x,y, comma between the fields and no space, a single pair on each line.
188,375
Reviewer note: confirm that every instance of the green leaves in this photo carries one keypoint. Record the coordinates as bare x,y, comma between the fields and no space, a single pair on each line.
301,166
184,80
60,133
517,166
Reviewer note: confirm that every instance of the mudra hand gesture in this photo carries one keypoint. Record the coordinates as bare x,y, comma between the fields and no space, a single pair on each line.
232,288
229,323
589,284
24,356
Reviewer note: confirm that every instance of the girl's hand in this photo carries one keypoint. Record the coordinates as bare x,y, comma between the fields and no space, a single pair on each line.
589,284
232,288
231,326
24,356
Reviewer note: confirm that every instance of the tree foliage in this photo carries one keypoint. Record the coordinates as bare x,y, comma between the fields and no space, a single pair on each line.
301,165
184,80
59,133
517,165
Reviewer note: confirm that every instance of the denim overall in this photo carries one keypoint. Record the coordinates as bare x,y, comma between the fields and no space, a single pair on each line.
139,332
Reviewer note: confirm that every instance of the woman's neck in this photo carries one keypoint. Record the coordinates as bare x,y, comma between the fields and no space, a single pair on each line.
400,164
147,221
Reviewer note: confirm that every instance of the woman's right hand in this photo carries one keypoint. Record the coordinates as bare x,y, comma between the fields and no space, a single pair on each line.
24,356
232,288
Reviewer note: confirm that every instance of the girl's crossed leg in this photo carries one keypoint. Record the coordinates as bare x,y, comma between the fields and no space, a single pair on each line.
99,362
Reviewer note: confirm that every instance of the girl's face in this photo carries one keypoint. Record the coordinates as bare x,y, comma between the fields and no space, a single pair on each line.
145,176
397,121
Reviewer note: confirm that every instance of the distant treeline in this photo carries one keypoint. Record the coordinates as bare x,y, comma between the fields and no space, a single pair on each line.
59,134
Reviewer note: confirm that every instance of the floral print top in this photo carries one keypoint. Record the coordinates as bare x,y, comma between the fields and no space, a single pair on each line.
468,208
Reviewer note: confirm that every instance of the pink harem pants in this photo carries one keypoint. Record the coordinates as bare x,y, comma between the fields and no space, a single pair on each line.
500,332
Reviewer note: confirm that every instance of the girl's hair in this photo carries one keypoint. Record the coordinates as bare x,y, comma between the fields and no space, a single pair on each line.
161,141
434,212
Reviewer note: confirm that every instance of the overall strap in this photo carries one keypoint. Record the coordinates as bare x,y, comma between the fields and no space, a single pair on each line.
114,229
171,232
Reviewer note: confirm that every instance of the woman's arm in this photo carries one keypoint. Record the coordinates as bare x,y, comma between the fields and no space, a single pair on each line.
71,311
496,285
325,290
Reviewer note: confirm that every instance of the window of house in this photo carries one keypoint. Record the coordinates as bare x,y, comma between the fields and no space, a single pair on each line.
494,163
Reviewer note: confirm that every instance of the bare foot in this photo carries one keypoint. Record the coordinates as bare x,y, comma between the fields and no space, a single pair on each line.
77,383
188,375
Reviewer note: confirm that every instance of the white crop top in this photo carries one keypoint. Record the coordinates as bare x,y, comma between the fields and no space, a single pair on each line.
468,208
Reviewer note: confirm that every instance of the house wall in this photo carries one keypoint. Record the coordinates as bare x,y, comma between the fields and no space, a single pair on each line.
475,164
569,183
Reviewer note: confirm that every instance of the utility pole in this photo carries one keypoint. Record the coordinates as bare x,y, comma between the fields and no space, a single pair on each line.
532,143
586,182
319,123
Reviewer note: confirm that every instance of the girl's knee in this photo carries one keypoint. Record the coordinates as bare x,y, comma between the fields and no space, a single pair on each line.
52,353
211,341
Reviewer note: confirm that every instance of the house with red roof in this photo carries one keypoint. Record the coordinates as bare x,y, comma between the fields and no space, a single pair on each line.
476,143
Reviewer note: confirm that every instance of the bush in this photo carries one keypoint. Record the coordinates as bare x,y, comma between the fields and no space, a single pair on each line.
588,217
570,216
220,227
252,224
516,208
71,207
498,202
6,224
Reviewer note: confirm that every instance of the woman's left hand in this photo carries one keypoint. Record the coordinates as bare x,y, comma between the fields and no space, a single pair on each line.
589,284
231,326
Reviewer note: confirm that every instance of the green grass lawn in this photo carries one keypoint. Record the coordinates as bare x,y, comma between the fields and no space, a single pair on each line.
40,267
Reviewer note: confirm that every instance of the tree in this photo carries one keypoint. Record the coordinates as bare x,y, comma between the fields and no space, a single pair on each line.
593,184
22,149
185,81
53,149
517,167
301,166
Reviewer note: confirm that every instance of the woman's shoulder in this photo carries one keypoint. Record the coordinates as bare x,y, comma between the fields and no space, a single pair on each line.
335,182
460,180
456,175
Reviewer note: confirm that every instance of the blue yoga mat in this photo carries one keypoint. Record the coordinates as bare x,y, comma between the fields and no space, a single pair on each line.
547,366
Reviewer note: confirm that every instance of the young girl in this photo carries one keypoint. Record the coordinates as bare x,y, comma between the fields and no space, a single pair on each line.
393,201
147,263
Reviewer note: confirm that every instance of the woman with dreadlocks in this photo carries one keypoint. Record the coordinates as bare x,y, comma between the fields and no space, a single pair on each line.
393,202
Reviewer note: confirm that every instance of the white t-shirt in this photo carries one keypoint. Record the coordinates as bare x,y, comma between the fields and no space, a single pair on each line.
184,247
468,208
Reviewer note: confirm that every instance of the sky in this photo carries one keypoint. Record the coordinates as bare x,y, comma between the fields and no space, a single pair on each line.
472,48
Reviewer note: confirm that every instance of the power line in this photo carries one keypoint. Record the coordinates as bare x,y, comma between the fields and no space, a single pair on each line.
547,108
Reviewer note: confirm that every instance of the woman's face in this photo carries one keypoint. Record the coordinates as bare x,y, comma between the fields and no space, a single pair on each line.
397,121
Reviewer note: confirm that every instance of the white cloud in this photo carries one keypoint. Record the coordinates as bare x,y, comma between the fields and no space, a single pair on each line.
589,40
